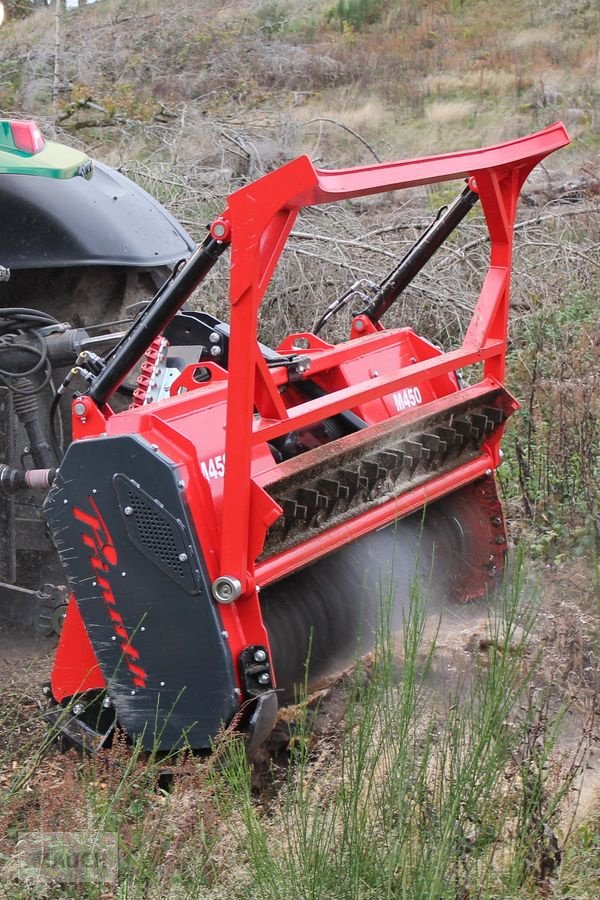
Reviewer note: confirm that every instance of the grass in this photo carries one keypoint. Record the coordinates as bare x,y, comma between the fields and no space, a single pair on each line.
417,792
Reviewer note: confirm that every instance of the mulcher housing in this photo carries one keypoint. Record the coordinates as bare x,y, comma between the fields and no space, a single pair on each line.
211,538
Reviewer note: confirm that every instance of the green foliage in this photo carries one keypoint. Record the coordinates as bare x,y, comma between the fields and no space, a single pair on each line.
356,14
553,453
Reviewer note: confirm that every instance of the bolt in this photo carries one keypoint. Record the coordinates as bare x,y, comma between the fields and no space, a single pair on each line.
259,656
500,539
77,709
94,584
237,692
215,351
264,678
183,557
94,491
46,690
181,484
219,229
65,501
226,589
162,684
79,409
113,638
488,472
359,325
154,447
143,628
225,634
133,693
128,510
213,337
106,703
496,521
123,574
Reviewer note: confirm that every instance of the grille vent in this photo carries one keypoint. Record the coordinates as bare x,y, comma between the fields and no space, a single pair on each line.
160,536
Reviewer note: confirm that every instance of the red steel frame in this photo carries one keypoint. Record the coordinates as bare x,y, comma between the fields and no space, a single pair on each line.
257,221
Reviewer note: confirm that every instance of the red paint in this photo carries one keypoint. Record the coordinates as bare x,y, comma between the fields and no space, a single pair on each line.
103,557
235,413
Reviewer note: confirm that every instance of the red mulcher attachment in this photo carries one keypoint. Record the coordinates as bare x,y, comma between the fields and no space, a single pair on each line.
315,474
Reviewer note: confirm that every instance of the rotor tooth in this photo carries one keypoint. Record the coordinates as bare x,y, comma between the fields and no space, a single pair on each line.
350,478
495,415
333,489
390,460
413,453
464,429
449,437
479,423
311,498
292,509
433,443
372,470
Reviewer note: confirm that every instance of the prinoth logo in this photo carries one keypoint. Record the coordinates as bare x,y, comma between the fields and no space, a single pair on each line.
103,557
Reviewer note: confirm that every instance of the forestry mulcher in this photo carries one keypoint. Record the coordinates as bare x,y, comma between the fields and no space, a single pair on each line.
233,515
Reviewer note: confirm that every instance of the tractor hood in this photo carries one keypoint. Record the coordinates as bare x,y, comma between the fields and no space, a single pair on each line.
100,219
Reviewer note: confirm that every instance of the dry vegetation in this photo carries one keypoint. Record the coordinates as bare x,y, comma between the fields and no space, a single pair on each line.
193,101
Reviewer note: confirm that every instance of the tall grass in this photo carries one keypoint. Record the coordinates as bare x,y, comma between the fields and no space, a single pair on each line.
420,792
419,798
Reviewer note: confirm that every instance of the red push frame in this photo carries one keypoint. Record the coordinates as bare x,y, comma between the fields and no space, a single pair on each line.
257,222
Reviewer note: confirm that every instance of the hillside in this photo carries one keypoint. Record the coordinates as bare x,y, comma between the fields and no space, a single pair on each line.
460,759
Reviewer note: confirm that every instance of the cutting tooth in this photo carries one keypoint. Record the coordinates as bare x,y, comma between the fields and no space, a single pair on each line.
479,423
433,443
333,489
495,415
293,510
349,477
464,428
449,436
312,499
390,460
413,453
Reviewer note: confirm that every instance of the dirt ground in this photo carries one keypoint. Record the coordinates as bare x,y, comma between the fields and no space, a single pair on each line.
566,636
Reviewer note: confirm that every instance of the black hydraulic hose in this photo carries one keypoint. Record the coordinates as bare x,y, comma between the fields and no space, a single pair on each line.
154,319
420,254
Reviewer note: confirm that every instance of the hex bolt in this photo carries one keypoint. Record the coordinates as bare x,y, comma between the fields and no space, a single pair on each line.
226,589
260,656
79,409
215,350
183,557
128,511
264,678
77,709
213,337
